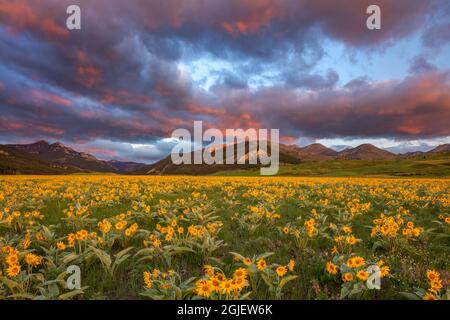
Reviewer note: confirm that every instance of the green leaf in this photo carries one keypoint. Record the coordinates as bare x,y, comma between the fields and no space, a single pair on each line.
40,277
178,293
356,289
265,255
246,296
70,295
266,279
47,233
11,284
377,244
285,280
118,262
53,290
51,282
145,251
144,258
345,291
104,258
409,296
22,296
152,295
70,257
177,249
123,252
237,255
215,260
441,236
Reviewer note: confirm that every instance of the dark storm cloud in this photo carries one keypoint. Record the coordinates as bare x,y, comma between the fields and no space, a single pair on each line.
420,64
268,30
314,81
437,35
357,82
125,42
392,109
437,32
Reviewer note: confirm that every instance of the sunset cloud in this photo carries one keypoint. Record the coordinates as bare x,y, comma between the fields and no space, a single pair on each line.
140,69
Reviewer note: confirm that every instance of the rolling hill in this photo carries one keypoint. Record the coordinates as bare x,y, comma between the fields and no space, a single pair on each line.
289,154
316,159
317,150
366,152
44,158
442,148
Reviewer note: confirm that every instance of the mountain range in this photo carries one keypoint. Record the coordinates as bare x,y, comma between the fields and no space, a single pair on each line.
293,154
44,158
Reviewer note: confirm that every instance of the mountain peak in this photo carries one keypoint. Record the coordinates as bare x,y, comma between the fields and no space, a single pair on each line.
65,159
58,144
441,148
35,148
315,145
40,143
366,151
317,149
367,146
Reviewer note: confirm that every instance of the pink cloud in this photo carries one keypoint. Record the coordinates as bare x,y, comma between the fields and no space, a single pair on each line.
88,75
125,97
22,15
50,97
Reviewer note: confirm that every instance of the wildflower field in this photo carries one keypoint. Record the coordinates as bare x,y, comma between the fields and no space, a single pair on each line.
224,237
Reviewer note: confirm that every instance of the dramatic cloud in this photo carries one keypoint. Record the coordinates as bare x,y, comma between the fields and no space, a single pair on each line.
139,69
392,109
437,33
420,64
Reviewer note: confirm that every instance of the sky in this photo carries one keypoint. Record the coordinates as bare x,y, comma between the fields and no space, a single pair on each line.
137,70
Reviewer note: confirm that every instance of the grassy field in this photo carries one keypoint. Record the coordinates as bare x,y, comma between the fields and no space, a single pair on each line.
225,237
419,168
